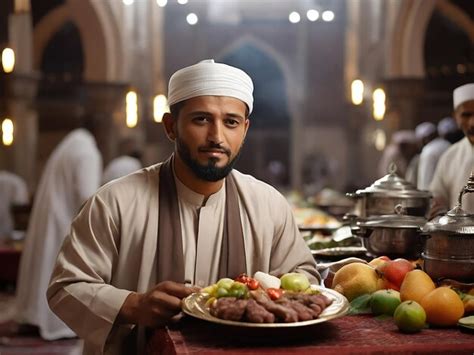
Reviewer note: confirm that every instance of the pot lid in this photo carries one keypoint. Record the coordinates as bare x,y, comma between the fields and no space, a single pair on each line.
393,185
398,220
456,221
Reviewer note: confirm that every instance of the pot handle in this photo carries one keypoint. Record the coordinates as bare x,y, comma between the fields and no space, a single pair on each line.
400,210
469,187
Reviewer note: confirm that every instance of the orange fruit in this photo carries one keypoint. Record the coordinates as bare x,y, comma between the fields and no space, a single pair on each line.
416,285
443,306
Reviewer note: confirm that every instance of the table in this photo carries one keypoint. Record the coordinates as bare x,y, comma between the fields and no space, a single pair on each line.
361,334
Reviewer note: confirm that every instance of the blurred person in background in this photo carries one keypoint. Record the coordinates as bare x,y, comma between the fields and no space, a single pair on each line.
122,165
139,243
13,191
457,162
402,148
72,174
433,150
425,132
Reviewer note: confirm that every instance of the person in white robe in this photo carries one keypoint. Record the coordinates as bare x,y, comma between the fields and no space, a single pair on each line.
433,150
71,175
425,132
191,220
120,166
457,162
402,148
13,191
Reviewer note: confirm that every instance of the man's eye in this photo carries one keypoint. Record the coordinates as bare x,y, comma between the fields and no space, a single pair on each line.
232,122
200,119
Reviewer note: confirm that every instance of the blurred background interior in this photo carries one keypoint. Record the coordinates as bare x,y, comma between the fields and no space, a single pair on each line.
313,126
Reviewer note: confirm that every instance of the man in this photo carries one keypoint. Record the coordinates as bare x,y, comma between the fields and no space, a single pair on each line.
425,132
457,163
400,151
71,175
190,220
121,166
433,150
13,190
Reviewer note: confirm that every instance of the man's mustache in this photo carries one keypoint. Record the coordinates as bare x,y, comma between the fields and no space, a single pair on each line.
215,147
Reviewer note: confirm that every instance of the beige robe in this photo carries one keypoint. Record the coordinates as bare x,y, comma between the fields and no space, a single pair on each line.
112,245
452,173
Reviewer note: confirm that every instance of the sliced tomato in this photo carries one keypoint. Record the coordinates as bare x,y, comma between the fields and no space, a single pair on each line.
274,293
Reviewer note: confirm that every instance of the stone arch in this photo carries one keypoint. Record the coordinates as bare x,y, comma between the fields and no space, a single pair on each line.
293,91
99,37
406,38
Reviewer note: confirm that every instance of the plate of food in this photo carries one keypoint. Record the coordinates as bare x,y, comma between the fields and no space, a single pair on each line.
258,306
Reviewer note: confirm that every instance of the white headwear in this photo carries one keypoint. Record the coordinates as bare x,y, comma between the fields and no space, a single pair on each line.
462,94
447,125
210,78
424,130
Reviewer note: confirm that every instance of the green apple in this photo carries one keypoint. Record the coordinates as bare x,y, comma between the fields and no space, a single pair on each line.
294,281
410,317
384,302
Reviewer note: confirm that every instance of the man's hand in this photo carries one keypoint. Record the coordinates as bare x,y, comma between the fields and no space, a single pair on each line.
155,307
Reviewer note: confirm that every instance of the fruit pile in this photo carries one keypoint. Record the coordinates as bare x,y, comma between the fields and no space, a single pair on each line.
396,288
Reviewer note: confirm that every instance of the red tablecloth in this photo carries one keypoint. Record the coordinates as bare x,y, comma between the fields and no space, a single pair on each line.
346,335
9,264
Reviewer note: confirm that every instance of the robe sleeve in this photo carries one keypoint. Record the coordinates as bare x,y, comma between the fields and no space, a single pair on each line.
80,290
289,250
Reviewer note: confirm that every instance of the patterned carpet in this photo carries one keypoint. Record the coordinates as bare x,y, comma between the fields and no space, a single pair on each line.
12,344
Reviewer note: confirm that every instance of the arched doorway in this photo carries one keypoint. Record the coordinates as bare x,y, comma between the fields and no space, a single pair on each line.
267,148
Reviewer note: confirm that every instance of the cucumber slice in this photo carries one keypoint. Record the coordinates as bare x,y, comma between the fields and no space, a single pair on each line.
466,322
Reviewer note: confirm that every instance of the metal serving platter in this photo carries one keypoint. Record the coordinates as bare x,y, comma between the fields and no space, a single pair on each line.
195,306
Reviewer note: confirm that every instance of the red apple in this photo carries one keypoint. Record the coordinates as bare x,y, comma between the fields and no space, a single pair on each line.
394,272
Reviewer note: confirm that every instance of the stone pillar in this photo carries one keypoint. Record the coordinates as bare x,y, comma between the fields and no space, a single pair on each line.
21,92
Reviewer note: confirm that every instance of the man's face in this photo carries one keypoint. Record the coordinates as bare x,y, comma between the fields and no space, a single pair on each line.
210,132
464,115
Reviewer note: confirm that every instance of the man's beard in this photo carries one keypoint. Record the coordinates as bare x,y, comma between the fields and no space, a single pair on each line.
209,172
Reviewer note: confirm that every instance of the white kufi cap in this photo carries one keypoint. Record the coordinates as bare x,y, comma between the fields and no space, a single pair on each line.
462,94
425,129
210,78
447,125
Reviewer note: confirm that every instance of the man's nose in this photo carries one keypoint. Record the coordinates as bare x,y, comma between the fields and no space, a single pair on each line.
215,134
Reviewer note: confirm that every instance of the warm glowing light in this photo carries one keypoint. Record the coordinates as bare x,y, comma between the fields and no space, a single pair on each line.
160,107
161,3
192,19
7,131
328,16
131,109
379,104
312,15
128,2
357,92
380,139
8,60
294,17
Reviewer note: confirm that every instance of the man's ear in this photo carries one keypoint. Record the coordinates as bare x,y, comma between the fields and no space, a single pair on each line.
169,126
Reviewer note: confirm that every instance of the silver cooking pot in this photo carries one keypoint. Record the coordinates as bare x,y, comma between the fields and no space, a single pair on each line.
449,248
397,235
385,194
